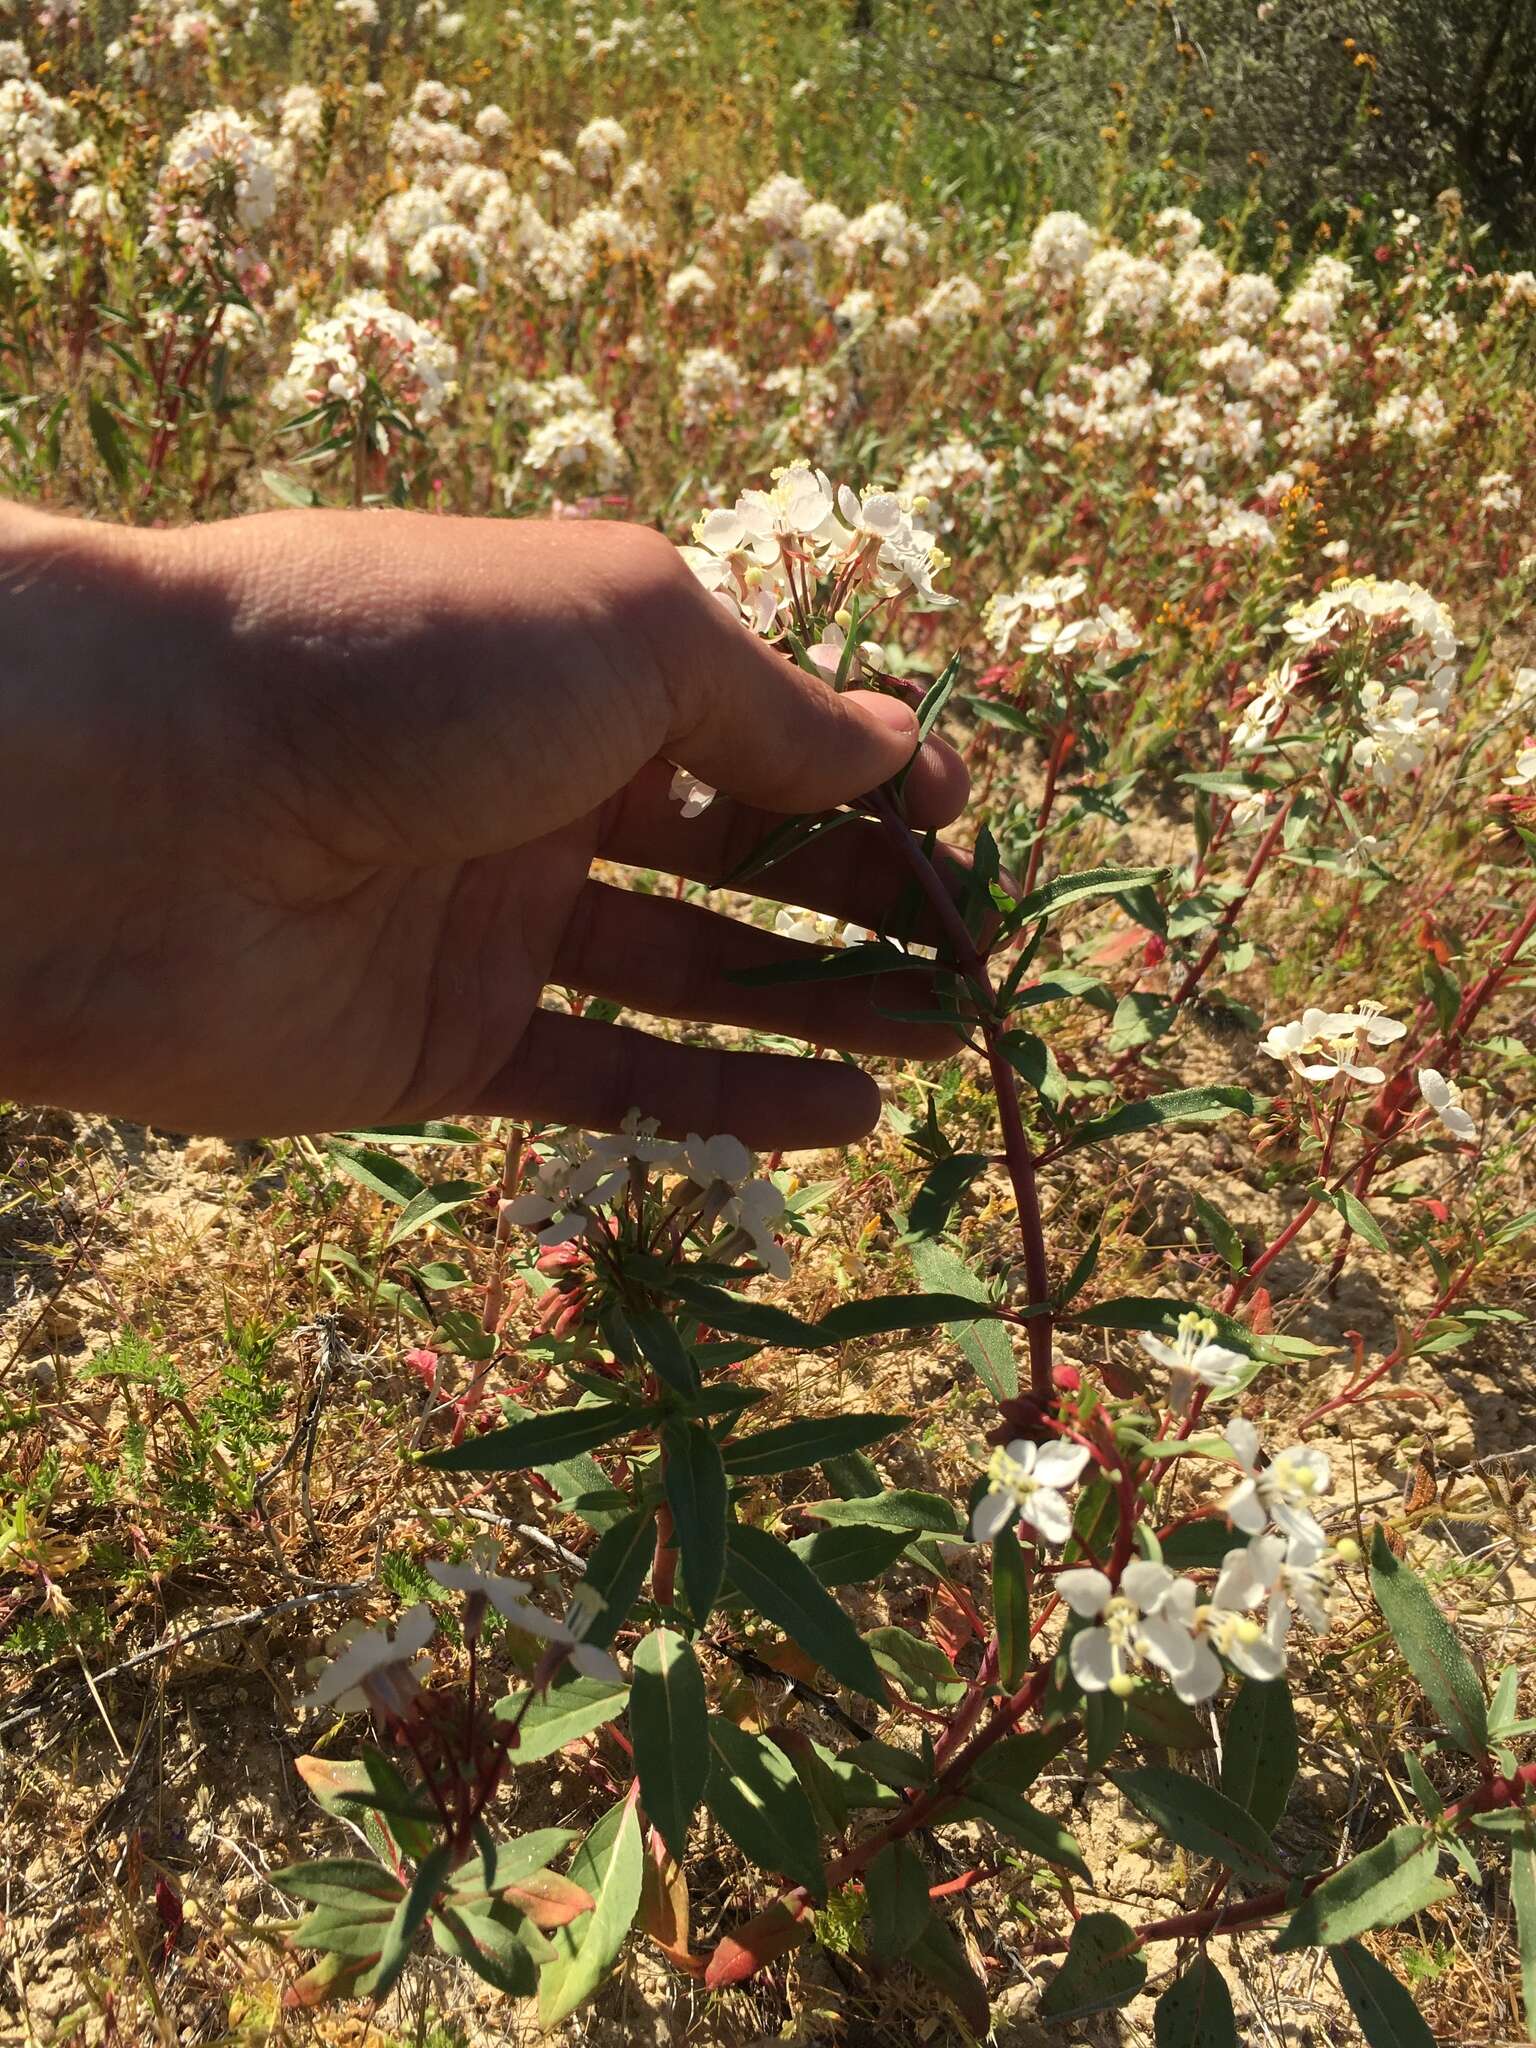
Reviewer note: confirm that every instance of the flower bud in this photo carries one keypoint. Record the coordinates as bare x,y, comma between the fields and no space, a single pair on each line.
1122,1685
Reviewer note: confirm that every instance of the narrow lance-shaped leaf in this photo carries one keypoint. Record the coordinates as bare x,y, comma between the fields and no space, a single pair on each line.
1433,1654
1202,1820
545,1439
589,1948
786,1592
987,1346
669,1725
1010,1609
808,1442
754,1794
1258,1751
1377,1889
1183,1105
411,1912
1522,1894
1388,2014
698,1495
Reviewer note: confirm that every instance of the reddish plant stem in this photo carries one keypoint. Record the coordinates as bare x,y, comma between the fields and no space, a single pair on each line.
1061,746
1016,1153
1358,1388
1228,918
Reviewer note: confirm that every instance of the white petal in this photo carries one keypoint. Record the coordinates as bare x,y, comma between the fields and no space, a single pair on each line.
1166,1644
1262,1660
1244,1439
1092,1659
1049,1513
593,1663
1061,1465
1084,1589
1202,1678
1245,1508
994,1511
1145,1583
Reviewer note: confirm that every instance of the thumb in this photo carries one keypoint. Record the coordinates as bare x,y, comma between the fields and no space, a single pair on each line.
757,727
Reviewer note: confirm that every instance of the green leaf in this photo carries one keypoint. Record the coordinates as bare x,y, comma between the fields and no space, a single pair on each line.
1388,2014
1154,1716
987,1799
1139,1019
839,963
1356,1215
1200,1545
669,1724
787,1592
545,1439
896,1892
336,1880
1010,1610
388,1178
1223,1233
986,1345
918,1512
921,1669
589,1947
1067,889
1017,1762
571,1706
940,1191
501,1864
412,1910
848,1557
938,1956
754,1794
616,1570
1432,1652
111,442
1196,2010
1103,1968
1258,1749
487,1942
431,1133
699,1498
663,1349
797,1444
287,491
1376,1889
1104,1719
431,1205
1183,1105
1202,1820
1522,1894
878,1317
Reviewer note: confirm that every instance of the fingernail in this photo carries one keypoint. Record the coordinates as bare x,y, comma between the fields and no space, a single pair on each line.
895,717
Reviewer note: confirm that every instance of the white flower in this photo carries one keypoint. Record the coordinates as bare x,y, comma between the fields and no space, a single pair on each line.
558,1207
1295,1575
376,1670
1030,1481
1195,1359
1281,1490
716,1162
1130,1629
1524,772
1321,1044
1444,1098
569,1634
758,1211
599,146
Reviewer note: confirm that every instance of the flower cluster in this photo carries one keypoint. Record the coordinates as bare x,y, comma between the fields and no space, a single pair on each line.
369,355
1326,1045
581,1181
760,555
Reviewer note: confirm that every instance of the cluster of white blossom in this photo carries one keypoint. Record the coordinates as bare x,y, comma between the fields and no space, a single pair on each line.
754,555
367,346
1152,1616
580,1177
1327,1045
1041,610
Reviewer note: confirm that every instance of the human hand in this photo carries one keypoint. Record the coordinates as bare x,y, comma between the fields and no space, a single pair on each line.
302,809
